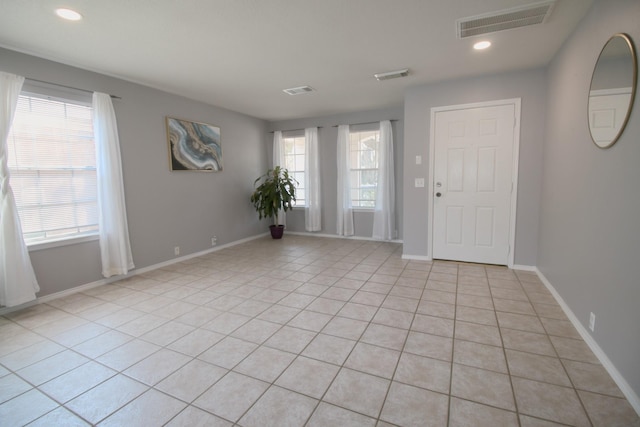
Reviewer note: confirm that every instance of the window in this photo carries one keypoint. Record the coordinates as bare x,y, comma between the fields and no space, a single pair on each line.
363,148
53,168
294,162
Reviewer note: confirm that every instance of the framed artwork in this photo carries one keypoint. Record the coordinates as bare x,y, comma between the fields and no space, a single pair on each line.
193,146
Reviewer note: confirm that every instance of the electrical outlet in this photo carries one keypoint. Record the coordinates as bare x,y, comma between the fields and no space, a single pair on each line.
214,240
176,250
592,321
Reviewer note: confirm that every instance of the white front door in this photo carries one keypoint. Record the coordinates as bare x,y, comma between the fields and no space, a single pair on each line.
473,181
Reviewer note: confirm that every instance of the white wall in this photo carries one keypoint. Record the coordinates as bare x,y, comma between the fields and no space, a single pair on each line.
528,85
589,247
165,209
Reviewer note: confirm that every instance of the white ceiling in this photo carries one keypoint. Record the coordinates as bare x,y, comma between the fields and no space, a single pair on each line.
241,54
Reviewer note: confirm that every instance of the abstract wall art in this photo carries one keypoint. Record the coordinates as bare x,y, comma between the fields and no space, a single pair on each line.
193,146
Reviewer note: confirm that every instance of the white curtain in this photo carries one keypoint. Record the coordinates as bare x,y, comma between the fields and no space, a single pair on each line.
384,214
115,247
278,160
18,282
312,212
345,210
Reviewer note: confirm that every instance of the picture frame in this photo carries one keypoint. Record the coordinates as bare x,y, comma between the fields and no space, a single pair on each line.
193,146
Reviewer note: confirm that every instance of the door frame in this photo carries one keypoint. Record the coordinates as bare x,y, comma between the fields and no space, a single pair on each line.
514,169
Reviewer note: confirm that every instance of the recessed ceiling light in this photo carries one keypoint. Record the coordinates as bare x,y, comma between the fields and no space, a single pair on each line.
68,14
298,90
482,45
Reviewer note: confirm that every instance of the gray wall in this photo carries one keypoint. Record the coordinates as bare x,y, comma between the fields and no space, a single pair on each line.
327,145
165,209
589,246
530,87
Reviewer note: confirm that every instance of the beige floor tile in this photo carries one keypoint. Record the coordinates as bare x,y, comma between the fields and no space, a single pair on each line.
479,385
128,354
256,331
330,415
195,342
142,325
429,345
591,377
394,318
308,376
569,348
527,421
433,325
326,306
265,364
226,323
59,417
520,322
373,360
30,355
231,396
157,366
476,315
358,311
549,402
290,339
345,328
436,309
527,341
536,367
401,303
152,408
464,413
279,407
560,328
414,407
475,301
358,392
228,352
25,408
424,372
191,380
475,332
310,320
385,336
192,416
407,291
11,386
552,311
80,334
329,349
75,382
279,314
480,356
439,296
167,333
516,294
512,306
49,368
106,398
606,411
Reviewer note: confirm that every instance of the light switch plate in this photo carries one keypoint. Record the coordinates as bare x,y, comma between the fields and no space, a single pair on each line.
418,160
419,182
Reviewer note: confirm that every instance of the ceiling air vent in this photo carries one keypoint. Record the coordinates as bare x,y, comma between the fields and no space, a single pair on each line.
531,14
298,90
391,75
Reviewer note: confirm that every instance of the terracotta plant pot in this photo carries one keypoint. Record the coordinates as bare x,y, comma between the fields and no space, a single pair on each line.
276,231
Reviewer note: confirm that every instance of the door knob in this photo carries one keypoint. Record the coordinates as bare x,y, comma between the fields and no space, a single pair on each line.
438,194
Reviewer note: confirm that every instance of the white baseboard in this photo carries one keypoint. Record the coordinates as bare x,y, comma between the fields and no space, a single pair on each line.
626,389
524,267
138,271
335,236
416,257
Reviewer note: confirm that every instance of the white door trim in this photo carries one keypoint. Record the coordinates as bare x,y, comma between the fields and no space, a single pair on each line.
516,156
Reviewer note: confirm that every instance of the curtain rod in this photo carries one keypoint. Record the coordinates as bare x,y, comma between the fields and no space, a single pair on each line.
67,87
294,130
365,123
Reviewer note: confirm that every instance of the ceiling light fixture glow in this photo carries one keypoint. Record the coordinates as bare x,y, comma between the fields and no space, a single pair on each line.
482,45
68,14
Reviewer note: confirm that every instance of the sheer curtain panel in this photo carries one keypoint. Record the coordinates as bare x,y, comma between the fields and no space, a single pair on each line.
345,210
115,247
312,212
18,283
384,214
278,160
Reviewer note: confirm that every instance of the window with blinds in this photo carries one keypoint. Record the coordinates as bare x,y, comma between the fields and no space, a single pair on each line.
364,148
51,158
294,161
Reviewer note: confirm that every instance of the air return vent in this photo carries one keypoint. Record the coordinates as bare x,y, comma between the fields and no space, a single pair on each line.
298,90
531,14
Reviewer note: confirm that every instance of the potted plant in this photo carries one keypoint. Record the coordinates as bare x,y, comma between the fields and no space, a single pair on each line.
275,192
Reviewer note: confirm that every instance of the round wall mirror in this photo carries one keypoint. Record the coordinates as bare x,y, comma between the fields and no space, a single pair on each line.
613,88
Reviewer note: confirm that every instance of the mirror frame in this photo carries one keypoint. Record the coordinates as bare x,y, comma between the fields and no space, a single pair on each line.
634,84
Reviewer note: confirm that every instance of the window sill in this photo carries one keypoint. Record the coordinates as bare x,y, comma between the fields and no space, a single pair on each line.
38,246
359,210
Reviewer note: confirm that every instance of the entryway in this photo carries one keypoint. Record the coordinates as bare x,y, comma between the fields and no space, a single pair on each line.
473,186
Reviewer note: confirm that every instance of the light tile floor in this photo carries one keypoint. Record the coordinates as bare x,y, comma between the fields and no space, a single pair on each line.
305,331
